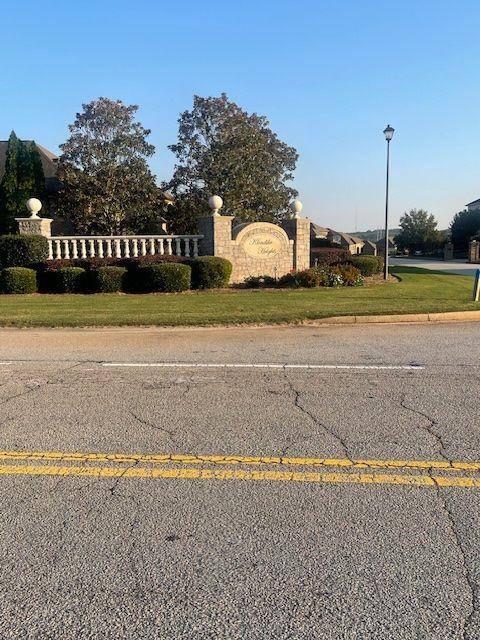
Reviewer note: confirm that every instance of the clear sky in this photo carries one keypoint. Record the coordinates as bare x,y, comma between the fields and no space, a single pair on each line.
329,75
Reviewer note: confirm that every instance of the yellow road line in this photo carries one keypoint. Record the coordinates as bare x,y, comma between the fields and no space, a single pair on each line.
239,474
49,456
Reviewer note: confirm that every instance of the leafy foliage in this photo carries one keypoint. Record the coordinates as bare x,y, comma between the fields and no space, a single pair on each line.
106,279
259,282
18,280
66,280
107,185
418,231
367,265
22,250
167,277
325,256
224,150
210,272
23,179
465,225
301,279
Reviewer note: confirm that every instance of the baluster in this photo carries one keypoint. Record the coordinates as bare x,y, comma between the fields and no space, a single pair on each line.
91,247
66,249
169,246
58,250
135,247
50,249
109,247
126,246
195,248
83,248
187,247
151,246
160,246
74,249
178,247
100,248
118,248
143,247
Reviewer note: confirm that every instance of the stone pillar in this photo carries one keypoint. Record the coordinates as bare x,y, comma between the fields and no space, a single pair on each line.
298,229
474,251
217,235
448,251
34,225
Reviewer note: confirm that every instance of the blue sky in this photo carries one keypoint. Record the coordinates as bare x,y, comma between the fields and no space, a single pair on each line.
329,75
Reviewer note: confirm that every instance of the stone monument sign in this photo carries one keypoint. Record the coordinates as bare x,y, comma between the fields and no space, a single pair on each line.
257,248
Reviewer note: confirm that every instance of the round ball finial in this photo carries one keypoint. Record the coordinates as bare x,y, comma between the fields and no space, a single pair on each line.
297,207
34,205
215,203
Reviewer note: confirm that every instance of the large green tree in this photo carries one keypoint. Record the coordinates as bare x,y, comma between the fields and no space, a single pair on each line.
224,150
418,231
465,224
107,186
23,179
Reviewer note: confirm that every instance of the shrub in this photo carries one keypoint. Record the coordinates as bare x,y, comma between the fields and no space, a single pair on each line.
22,250
168,277
344,274
296,279
210,272
326,255
106,279
257,282
367,265
18,280
65,280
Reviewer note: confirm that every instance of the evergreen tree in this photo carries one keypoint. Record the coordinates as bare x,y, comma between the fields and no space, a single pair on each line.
9,186
23,179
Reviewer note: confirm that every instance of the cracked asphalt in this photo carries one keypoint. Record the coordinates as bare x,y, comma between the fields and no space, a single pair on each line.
289,503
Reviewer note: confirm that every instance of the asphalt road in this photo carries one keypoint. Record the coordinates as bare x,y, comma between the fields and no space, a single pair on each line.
340,501
459,267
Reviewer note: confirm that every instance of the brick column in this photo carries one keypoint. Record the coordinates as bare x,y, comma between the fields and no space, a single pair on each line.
217,236
474,251
298,229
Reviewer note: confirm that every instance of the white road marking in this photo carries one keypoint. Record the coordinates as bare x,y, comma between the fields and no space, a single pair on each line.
5,363
219,365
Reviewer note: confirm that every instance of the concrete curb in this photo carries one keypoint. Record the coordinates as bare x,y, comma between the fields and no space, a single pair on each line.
450,316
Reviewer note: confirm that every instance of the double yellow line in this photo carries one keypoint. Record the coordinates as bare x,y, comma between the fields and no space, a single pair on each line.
222,467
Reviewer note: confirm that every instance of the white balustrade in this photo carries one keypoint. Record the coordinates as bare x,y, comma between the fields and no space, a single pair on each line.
74,247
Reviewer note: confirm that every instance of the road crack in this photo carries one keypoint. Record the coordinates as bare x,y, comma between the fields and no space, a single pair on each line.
328,430
146,423
452,526
430,428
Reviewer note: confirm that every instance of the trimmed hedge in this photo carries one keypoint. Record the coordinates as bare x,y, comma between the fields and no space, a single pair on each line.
210,272
168,277
18,280
367,265
65,280
106,279
22,250
259,282
326,256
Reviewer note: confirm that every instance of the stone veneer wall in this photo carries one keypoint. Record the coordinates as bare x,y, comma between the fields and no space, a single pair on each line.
291,240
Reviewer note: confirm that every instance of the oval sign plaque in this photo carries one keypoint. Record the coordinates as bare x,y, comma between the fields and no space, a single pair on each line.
263,243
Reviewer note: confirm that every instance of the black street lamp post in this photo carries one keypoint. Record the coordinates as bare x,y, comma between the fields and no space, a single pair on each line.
388,132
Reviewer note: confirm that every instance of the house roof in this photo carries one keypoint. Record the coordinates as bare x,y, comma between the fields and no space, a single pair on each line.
370,243
317,229
381,242
346,237
49,159
473,202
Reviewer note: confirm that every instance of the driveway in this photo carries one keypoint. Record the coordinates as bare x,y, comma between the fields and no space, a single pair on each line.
459,267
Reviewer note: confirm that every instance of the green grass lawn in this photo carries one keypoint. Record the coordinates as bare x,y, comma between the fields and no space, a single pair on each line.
419,291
